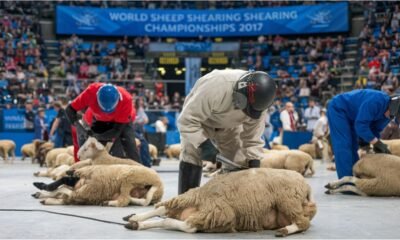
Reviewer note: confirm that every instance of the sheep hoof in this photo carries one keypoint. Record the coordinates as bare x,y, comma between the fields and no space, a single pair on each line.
328,192
328,186
36,174
43,202
36,195
283,232
126,218
105,203
132,226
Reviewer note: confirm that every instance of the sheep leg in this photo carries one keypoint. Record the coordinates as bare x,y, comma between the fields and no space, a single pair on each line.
346,188
52,201
161,211
293,210
168,223
12,155
81,164
211,175
5,155
144,201
45,194
340,182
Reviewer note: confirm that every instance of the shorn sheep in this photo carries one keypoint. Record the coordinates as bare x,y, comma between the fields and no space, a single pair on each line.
294,160
114,185
7,148
289,159
92,152
173,151
247,200
374,175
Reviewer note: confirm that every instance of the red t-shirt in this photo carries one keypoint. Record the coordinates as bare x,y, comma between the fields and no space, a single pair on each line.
88,99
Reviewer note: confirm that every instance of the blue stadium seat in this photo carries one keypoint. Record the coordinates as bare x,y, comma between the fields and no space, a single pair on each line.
303,102
266,60
310,66
102,69
85,46
3,83
285,54
111,46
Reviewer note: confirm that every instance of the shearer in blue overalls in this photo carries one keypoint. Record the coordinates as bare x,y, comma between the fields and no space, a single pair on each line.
356,119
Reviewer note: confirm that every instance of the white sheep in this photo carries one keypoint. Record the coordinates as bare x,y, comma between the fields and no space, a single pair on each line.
311,148
393,145
173,151
29,150
374,175
279,159
51,156
113,185
275,146
247,200
7,148
289,159
153,151
92,152
54,173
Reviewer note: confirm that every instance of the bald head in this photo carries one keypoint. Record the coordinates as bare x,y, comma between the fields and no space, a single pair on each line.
289,107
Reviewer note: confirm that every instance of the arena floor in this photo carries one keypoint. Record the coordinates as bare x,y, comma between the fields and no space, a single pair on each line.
338,216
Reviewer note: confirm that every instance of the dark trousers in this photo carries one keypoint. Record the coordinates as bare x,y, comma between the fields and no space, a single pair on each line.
124,145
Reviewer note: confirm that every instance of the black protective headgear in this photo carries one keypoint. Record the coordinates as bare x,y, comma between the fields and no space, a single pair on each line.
254,92
394,106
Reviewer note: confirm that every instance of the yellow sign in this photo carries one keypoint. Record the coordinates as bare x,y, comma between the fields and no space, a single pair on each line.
169,60
217,60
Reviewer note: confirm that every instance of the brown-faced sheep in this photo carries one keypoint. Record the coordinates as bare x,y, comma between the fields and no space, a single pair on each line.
92,152
114,185
7,148
247,200
374,175
29,150
41,150
173,151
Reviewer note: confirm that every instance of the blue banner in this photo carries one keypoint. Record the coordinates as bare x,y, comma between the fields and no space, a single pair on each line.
14,119
320,18
193,47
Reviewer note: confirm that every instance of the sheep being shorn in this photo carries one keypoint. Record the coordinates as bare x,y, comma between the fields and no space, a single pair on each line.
7,148
247,200
92,152
374,175
113,185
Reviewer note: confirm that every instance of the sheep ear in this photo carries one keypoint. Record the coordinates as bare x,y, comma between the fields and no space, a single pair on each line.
99,146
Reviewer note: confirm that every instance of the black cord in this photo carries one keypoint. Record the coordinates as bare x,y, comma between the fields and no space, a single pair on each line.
58,213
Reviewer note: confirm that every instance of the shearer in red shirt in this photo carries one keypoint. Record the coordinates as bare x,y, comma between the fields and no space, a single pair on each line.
111,111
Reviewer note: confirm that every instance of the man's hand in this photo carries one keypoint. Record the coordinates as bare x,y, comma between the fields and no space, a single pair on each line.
380,147
208,151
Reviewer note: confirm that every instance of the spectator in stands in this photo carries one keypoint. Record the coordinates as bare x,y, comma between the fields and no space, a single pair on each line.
61,125
161,125
289,118
41,126
29,116
311,115
141,120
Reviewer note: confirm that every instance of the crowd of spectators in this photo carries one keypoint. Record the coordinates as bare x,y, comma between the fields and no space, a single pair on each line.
305,67
379,64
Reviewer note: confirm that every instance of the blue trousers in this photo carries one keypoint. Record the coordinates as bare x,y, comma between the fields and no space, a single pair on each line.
144,150
344,141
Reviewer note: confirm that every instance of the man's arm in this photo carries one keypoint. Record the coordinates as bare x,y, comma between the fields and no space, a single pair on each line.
368,111
111,133
253,144
54,127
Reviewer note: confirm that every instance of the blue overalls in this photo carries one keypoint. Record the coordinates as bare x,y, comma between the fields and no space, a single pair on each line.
353,115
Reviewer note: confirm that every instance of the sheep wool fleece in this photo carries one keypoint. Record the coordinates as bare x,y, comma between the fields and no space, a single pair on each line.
209,113
353,115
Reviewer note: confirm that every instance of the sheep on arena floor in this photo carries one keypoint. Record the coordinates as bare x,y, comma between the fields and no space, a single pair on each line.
393,145
51,156
294,160
311,148
173,151
92,152
29,150
62,164
374,175
113,185
41,150
7,148
247,200
275,146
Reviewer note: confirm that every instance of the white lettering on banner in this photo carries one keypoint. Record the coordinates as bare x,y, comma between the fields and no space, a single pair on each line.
263,16
214,17
189,28
166,17
14,118
128,17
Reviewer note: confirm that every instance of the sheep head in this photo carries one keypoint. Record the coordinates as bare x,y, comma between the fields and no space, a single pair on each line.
90,149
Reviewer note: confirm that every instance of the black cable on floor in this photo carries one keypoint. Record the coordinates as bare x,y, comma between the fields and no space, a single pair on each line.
58,213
